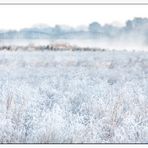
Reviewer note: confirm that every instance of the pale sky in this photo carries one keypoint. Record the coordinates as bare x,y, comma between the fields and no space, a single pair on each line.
21,16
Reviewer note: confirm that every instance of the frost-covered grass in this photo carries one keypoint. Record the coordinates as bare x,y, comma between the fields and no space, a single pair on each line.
73,97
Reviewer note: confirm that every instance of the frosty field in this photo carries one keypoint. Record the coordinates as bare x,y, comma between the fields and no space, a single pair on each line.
73,97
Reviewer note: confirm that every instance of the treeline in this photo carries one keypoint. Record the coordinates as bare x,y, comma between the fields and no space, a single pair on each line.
57,47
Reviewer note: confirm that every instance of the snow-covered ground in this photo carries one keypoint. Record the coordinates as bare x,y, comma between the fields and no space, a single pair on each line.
73,97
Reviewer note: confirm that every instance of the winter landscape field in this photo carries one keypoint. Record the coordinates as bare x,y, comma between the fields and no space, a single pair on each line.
73,96
73,73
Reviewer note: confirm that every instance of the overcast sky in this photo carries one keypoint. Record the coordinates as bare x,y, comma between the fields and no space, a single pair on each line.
21,16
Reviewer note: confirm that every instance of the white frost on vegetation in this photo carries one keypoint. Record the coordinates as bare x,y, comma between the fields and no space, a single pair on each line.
73,97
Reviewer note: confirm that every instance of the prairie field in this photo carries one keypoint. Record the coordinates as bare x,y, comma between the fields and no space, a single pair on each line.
73,97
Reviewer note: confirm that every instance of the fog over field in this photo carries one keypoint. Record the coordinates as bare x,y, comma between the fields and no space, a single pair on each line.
132,36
